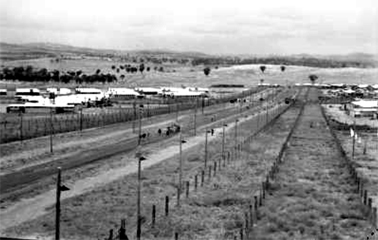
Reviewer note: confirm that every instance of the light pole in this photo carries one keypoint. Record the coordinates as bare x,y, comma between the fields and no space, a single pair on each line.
180,172
59,188
140,123
207,131
236,136
177,111
140,159
51,131
135,114
195,117
223,139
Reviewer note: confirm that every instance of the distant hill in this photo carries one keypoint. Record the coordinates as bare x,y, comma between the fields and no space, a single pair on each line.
357,57
41,50
10,52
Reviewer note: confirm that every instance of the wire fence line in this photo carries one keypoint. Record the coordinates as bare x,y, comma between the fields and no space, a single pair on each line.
203,176
19,127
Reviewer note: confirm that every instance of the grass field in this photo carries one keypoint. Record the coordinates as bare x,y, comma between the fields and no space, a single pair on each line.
119,196
249,75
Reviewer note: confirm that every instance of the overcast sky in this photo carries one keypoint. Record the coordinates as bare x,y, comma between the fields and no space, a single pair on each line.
217,27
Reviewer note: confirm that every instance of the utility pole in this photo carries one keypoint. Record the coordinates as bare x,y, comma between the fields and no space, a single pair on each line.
59,189
206,147
236,136
354,138
81,118
180,173
51,131
195,118
140,123
135,115
139,229
21,121
223,139
177,111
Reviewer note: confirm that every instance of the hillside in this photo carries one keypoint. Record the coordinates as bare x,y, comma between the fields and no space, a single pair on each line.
11,52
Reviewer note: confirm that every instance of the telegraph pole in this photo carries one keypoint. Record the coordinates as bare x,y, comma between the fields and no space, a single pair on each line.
139,229
51,131
180,173
140,124
223,139
195,118
236,136
354,138
59,189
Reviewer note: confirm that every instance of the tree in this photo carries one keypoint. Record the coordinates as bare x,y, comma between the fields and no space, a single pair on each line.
206,71
283,68
117,70
141,68
312,78
262,68
148,69
122,77
98,71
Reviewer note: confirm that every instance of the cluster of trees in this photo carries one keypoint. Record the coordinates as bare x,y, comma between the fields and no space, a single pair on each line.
155,60
134,69
29,74
305,61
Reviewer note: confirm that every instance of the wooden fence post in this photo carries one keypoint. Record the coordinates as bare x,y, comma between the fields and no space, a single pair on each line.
209,173
263,189
267,183
250,216
256,208
110,234
260,197
365,197
153,215
195,182
246,224
215,168
178,196
187,189
202,177
122,230
166,205
176,236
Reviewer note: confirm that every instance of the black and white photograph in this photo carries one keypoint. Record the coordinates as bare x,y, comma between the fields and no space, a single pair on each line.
188,120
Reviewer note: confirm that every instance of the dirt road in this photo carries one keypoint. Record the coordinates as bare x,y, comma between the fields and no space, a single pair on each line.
20,211
313,196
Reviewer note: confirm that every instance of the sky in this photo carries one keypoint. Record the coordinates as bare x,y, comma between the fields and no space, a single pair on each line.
209,26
